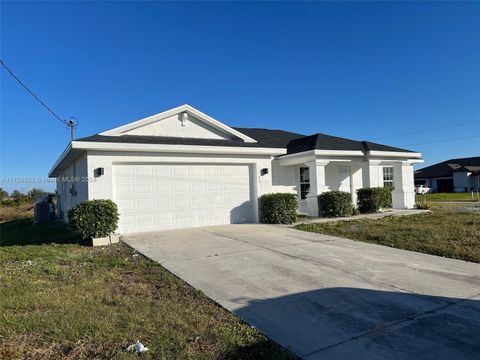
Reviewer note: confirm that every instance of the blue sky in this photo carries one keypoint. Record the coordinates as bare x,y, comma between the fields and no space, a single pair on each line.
359,70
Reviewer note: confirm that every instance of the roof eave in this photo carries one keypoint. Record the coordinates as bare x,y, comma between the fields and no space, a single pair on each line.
52,172
395,154
76,147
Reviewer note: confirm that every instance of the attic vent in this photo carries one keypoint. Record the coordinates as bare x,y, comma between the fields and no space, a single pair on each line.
183,118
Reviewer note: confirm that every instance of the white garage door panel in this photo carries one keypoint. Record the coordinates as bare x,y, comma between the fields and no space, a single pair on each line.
152,197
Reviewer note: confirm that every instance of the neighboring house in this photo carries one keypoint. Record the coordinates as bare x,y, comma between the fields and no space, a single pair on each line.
182,168
458,175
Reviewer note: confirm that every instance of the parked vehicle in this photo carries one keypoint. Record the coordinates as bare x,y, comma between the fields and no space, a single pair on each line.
421,189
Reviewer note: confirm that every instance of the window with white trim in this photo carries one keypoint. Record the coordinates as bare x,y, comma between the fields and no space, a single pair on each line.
388,177
304,182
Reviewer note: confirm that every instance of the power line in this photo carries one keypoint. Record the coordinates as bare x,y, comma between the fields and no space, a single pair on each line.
427,130
32,93
71,123
450,139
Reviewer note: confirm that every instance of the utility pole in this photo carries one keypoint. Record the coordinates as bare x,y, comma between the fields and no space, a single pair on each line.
72,125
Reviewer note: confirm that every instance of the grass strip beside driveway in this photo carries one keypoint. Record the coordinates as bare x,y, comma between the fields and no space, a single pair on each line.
448,230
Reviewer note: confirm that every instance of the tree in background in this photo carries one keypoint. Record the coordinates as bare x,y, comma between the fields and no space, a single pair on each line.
16,194
19,197
3,194
33,193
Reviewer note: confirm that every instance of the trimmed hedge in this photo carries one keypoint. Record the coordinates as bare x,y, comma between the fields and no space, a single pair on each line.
278,208
335,204
94,218
371,200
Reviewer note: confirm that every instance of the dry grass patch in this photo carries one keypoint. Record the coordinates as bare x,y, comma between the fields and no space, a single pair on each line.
8,213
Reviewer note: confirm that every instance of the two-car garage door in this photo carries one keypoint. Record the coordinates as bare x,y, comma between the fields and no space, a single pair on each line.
167,196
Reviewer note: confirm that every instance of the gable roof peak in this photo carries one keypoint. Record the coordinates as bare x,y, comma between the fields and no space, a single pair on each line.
175,111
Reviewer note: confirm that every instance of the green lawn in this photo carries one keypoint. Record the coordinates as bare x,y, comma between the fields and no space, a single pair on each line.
449,197
450,230
66,301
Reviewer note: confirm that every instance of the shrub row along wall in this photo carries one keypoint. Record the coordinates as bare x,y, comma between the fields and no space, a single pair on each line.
339,203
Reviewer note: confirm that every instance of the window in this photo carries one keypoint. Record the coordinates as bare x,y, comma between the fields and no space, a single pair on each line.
388,177
304,182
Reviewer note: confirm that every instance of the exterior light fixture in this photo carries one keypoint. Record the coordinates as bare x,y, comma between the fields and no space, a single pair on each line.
99,172
183,118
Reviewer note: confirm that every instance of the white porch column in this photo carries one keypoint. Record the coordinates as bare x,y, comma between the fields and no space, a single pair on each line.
371,173
317,184
357,172
403,196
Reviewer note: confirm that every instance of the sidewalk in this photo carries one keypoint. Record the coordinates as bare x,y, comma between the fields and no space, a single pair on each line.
389,212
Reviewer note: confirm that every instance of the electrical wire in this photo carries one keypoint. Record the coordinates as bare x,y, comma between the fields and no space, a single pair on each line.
33,94
427,130
437,141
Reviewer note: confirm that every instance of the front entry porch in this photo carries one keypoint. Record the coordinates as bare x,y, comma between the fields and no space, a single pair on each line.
309,175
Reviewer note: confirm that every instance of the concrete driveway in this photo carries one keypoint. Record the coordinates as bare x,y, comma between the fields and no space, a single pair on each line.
329,298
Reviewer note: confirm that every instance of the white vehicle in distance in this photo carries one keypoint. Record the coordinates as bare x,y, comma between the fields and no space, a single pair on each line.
421,189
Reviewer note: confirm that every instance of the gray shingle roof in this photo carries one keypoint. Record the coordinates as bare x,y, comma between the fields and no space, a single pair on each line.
266,138
328,142
273,138
143,139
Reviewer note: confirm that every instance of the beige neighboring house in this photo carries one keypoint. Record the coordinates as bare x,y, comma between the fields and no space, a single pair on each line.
183,168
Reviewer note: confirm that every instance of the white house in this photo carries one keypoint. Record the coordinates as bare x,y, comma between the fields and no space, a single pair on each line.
182,168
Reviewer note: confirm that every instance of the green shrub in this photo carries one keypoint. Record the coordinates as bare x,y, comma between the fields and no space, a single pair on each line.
278,208
335,204
94,218
371,200
386,195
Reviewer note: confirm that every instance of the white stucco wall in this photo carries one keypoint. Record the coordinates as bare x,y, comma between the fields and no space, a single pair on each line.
172,127
279,178
337,181
76,176
284,179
